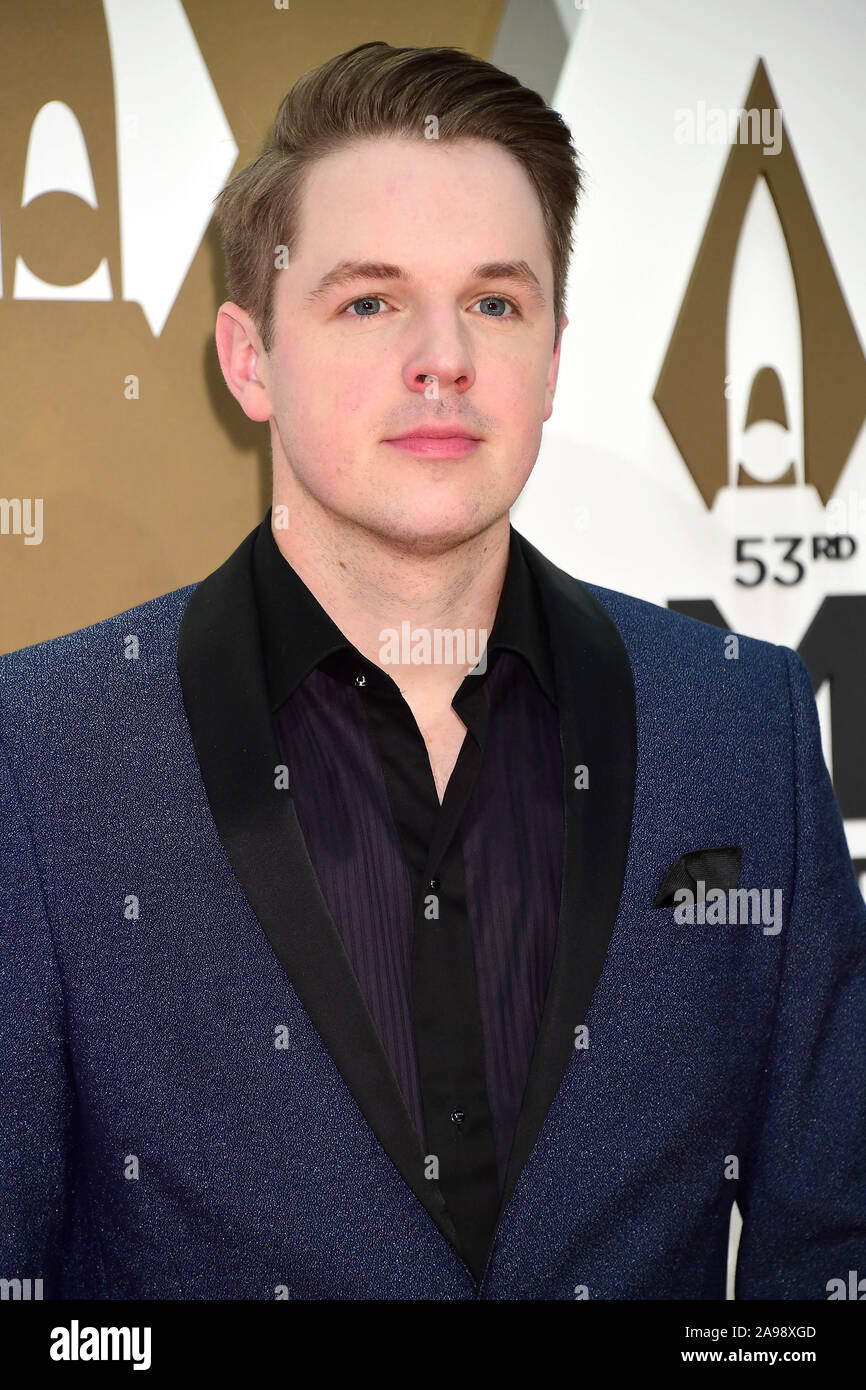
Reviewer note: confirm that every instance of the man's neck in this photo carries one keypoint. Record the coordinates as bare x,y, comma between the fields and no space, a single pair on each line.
369,585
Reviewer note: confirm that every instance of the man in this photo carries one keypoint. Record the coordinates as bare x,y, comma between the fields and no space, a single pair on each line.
391,915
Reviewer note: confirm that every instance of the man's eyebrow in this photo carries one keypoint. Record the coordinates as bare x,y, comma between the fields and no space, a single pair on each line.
519,271
348,272
345,272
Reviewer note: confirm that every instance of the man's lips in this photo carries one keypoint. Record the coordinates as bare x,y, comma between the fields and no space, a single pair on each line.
450,441
435,432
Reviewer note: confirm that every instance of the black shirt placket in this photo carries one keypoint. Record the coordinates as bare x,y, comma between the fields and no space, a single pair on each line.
459,1135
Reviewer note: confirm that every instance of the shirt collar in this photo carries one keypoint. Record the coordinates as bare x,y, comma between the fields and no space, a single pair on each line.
298,634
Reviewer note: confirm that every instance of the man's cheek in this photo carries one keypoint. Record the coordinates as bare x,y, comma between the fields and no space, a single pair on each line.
345,399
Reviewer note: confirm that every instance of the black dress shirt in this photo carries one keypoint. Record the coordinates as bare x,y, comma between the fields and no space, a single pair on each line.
448,913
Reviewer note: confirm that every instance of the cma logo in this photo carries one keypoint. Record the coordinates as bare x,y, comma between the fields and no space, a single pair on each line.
174,152
764,379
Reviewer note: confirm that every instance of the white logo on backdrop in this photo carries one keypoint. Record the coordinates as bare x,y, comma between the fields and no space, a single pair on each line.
613,499
174,152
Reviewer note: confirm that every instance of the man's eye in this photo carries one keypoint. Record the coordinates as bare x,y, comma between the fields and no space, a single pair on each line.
498,313
492,306
367,308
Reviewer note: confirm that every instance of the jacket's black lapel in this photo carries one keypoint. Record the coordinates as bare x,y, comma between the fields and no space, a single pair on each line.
222,677
596,699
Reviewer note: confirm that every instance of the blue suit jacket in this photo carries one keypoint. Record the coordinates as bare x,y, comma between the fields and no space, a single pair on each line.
194,1102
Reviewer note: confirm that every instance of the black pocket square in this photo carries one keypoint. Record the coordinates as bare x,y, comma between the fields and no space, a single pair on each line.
715,868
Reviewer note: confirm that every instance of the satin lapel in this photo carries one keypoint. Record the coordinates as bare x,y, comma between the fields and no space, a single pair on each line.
595,692
223,681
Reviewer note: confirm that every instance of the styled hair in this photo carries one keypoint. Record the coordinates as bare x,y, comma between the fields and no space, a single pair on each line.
376,90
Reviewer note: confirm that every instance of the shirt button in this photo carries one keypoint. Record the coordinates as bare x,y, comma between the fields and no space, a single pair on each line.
434,883
360,680
458,1116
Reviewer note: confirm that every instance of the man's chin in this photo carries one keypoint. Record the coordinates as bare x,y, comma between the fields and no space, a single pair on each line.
427,533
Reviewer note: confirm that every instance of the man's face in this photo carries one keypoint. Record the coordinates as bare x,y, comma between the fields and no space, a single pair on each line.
359,362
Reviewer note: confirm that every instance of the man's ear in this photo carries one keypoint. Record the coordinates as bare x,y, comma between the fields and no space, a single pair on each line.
553,372
240,352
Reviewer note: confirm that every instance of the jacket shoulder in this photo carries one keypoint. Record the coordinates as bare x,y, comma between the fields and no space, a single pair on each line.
654,634
85,659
